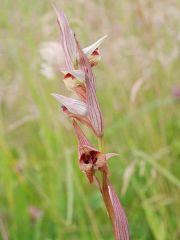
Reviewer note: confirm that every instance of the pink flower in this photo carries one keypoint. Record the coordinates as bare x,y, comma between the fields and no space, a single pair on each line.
87,113
90,159
75,82
92,52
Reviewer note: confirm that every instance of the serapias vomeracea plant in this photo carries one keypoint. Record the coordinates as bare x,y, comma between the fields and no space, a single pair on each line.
79,79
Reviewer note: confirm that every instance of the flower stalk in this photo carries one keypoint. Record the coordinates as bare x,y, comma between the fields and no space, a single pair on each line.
79,79
101,144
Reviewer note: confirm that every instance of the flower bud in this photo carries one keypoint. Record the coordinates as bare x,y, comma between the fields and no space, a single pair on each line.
94,58
74,81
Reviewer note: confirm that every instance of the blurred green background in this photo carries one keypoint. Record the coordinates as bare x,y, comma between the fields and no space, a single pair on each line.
43,194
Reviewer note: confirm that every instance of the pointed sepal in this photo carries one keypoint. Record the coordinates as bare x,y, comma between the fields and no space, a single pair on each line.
90,49
72,105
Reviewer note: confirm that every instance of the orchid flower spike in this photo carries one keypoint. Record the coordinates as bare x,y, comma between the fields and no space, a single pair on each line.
74,81
79,78
93,118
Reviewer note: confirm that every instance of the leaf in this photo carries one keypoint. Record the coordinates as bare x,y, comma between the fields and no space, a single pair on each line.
95,115
67,39
73,105
120,222
90,49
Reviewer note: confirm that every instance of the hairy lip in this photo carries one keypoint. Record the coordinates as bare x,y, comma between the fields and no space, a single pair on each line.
90,157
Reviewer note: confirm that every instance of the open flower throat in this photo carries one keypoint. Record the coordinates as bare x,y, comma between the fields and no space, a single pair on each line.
87,164
79,79
89,157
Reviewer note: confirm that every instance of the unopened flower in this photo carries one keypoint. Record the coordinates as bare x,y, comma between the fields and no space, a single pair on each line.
94,58
78,77
75,82
92,52
53,57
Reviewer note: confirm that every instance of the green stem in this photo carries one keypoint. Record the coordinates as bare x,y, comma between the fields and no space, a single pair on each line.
101,144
